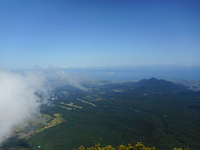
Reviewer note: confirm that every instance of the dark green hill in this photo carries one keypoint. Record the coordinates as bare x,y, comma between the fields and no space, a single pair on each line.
155,85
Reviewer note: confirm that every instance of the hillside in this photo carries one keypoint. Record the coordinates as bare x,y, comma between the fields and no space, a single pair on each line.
155,85
161,114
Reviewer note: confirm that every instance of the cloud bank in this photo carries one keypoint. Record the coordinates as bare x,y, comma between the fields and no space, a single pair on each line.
21,95
58,78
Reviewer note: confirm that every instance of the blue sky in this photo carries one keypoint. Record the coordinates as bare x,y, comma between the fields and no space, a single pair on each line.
98,33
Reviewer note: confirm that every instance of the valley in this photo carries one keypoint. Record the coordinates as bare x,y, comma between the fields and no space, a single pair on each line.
155,112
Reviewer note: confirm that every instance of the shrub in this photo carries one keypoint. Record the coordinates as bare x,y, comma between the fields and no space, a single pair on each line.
138,146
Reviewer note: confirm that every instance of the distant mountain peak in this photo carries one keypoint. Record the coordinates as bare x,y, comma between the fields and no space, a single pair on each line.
144,81
153,79
158,85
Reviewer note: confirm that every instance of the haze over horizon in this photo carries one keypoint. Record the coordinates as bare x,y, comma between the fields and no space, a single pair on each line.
99,33
72,73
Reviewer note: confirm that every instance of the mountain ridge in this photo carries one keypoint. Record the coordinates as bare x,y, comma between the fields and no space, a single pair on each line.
158,85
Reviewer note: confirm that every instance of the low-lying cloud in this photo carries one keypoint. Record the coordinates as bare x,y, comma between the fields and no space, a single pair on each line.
58,78
21,95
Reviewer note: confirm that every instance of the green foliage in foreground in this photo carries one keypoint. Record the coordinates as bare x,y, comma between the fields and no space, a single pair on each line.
138,146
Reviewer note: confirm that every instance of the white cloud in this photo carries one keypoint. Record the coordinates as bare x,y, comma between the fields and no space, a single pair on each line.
22,93
18,99
58,78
